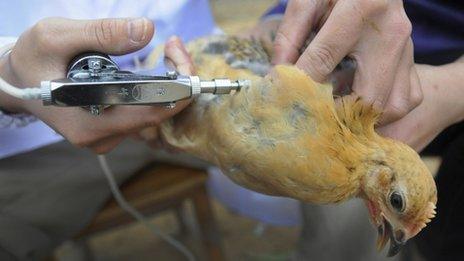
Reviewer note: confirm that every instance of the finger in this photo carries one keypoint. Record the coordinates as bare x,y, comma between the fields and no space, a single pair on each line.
175,51
112,36
333,42
399,100
107,144
128,119
293,31
149,134
116,36
416,95
380,51
115,121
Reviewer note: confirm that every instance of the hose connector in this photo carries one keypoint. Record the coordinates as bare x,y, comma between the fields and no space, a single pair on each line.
223,86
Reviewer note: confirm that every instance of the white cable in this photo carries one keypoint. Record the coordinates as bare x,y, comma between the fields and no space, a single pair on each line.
122,202
20,93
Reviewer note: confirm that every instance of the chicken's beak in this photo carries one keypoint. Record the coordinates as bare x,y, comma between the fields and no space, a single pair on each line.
382,238
386,232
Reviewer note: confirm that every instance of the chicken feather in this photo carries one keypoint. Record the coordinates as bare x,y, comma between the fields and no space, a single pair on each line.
285,135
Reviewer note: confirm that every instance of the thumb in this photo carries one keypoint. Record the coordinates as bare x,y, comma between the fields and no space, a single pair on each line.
116,36
111,36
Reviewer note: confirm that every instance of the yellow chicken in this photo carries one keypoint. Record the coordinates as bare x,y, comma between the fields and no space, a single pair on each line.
286,135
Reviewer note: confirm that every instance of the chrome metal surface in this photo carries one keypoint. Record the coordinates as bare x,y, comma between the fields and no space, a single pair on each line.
95,81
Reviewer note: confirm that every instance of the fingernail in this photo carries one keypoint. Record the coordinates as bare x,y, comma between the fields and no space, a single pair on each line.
173,41
173,38
137,29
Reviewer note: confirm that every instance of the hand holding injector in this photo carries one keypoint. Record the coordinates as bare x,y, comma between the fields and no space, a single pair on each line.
94,80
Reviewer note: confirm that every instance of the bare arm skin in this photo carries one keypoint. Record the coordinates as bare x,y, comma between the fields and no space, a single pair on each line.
443,105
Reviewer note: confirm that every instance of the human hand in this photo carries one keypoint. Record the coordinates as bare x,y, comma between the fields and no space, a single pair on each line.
175,53
264,32
375,33
442,106
43,53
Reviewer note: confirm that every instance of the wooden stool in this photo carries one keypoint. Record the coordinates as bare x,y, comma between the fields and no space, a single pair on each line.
161,187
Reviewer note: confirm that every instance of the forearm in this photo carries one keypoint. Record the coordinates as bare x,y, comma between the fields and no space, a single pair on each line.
454,73
446,83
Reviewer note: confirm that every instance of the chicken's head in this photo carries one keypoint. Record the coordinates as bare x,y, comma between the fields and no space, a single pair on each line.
400,194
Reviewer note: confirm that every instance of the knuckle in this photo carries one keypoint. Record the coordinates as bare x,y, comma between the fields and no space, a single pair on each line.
282,41
281,37
321,59
416,98
42,33
283,44
397,109
399,33
370,7
401,27
43,25
40,27
104,31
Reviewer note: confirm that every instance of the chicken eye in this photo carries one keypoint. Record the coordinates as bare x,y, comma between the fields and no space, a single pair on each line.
397,202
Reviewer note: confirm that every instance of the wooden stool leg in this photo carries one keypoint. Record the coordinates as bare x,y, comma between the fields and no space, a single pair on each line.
207,225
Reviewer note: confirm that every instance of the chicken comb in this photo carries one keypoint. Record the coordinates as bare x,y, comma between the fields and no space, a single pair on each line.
427,215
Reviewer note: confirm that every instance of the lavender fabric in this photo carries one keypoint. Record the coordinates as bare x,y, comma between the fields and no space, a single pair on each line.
438,29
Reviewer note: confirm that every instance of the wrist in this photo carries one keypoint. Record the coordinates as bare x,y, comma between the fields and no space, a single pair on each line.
452,78
444,86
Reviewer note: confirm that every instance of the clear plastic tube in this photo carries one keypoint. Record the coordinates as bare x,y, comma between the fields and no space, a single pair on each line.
136,214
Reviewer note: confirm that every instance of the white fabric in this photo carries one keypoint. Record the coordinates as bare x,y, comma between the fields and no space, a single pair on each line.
187,18
4,41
